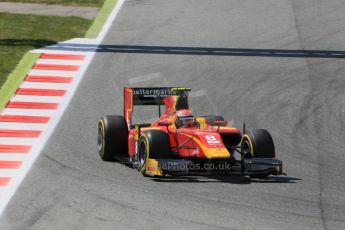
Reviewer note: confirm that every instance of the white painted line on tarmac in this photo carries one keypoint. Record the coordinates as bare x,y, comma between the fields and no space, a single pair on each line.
90,41
109,21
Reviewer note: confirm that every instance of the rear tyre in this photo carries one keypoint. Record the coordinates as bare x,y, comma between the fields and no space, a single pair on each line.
212,118
257,144
112,138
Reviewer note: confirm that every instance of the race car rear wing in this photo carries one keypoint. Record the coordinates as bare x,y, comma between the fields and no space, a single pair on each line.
148,96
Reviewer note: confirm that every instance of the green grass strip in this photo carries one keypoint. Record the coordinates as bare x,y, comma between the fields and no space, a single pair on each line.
16,77
100,19
93,3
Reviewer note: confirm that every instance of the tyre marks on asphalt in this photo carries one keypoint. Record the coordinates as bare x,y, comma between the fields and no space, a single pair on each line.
150,80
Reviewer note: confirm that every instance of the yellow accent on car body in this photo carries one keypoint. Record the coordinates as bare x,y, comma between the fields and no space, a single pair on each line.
152,168
101,122
211,153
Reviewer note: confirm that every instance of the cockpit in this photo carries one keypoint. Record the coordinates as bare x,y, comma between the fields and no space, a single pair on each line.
187,121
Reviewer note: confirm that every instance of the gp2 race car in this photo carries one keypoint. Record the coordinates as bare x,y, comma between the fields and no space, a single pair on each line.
179,143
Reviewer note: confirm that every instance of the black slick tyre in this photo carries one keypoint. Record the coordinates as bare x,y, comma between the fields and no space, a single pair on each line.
112,141
153,144
258,144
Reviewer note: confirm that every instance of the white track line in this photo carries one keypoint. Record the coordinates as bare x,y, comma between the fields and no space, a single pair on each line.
109,21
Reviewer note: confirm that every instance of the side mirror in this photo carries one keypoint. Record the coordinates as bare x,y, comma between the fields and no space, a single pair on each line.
164,123
220,123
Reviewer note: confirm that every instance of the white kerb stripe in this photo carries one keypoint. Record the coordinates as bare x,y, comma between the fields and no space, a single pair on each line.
59,62
9,172
29,112
43,85
46,99
22,126
36,72
17,141
14,156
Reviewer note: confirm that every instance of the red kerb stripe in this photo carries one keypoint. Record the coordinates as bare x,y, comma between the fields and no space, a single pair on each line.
10,164
57,67
50,79
31,105
40,92
4,181
15,148
24,119
63,56
19,133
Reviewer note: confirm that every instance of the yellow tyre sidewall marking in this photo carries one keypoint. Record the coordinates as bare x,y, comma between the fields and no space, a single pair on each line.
102,126
146,140
245,137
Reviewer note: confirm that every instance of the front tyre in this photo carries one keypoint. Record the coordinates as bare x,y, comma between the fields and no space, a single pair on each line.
153,145
143,154
257,144
112,140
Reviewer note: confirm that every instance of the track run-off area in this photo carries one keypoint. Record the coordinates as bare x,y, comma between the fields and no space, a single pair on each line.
272,64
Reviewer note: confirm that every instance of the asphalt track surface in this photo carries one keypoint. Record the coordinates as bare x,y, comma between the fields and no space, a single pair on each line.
300,100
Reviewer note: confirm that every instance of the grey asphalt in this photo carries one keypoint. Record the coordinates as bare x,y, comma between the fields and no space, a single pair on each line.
45,9
300,100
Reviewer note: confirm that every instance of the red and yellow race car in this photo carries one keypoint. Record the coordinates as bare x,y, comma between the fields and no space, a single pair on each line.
179,143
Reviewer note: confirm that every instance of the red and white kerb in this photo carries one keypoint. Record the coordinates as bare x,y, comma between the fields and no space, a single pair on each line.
30,111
